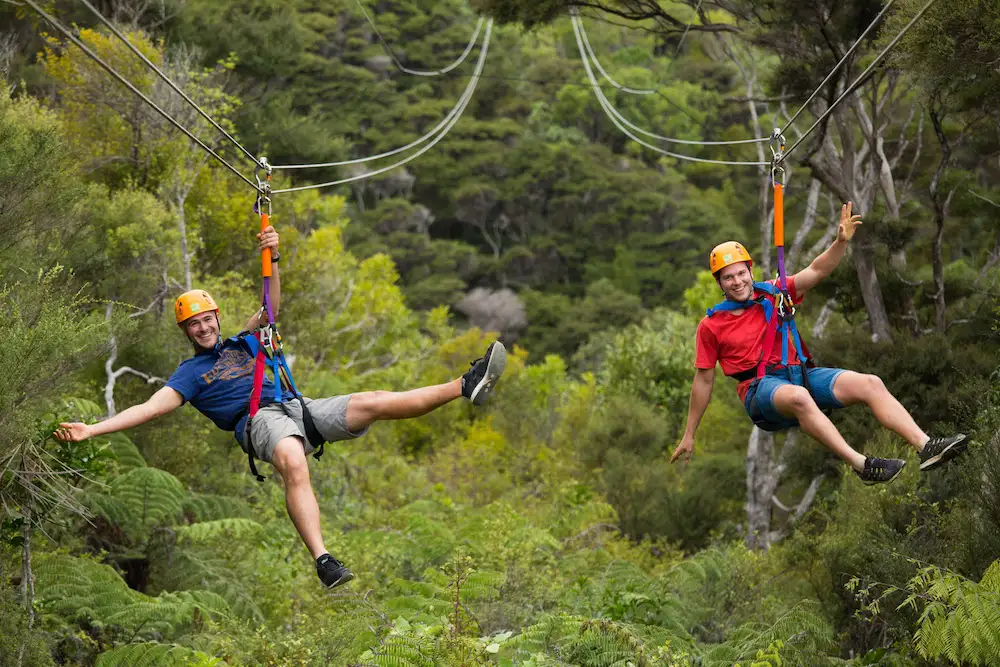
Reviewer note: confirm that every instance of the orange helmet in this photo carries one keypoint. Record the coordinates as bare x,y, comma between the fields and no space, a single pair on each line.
728,253
193,302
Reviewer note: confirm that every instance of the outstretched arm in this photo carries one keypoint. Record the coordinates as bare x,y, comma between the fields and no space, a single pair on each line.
268,239
701,394
824,265
160,403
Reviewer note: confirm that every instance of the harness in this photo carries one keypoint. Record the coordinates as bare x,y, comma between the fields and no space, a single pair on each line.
265,345
780,318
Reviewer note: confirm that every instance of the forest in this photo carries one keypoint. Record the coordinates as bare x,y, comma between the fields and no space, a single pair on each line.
567,167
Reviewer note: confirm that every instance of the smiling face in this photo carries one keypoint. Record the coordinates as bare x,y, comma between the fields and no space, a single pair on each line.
203,330
736,281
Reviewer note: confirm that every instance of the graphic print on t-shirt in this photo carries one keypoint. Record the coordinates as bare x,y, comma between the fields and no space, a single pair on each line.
231,364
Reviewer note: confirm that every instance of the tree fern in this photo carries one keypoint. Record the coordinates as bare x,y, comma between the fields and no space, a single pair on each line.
140,499
230,530
151,654
124,450
210,507
404,651
206,568
960,621
800,631
82,588
577,641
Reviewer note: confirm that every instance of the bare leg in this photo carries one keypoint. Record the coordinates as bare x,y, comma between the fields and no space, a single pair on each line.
794,401
370,406
289,460
850,388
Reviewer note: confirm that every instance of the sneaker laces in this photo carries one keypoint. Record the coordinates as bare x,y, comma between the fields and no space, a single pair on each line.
326,559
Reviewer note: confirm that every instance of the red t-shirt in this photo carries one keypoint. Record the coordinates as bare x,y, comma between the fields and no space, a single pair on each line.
734,340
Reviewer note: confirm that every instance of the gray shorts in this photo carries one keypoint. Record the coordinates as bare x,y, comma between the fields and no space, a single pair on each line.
272,423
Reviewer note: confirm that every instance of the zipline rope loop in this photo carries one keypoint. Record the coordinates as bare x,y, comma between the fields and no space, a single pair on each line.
166,78
110,70
605,105
673,140
417,72
463,103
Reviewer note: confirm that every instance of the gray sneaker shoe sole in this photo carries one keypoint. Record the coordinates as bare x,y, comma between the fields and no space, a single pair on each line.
946,454
344,578
494,369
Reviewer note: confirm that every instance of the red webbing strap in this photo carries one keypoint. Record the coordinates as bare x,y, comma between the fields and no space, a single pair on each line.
260,363
770,334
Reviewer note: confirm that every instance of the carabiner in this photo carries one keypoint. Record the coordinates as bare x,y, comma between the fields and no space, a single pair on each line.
777,145
263,187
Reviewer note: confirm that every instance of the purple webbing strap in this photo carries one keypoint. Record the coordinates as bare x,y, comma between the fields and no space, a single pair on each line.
782,280
267,300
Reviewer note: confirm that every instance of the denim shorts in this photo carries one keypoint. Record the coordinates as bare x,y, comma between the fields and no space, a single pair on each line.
759,401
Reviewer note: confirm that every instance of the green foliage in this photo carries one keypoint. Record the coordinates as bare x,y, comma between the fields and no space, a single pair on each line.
18,643
151,653
546,527
652,362
960,619
141,499
80,588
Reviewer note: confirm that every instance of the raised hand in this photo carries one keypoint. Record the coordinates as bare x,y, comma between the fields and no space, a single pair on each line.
848,223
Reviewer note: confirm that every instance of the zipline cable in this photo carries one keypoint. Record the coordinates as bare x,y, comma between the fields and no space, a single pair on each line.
463,103
395,151
110,70
838,65
165,78
862,77
417,72
607,109
673,140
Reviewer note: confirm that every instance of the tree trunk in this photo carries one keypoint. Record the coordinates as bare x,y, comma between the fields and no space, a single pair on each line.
27,583
871,292
761,483
940,206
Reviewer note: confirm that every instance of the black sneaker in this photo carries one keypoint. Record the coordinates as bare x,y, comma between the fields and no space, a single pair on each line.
478,382
880,470
941,450
332,572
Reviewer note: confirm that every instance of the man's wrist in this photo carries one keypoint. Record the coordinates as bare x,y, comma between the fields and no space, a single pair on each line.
275,256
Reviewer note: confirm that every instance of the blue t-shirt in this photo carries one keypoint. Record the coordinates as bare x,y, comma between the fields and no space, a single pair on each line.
218,383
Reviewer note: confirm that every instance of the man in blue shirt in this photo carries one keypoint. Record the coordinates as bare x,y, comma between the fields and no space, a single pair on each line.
218,381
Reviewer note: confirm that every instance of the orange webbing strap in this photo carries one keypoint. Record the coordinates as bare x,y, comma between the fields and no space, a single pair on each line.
779,214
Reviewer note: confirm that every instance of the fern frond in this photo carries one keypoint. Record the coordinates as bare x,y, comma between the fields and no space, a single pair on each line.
124,450
82,588
231,530
211,507
151,654
961,620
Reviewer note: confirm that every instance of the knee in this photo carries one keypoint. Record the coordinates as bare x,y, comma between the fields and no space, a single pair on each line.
366,406
873,386
290,462
798,400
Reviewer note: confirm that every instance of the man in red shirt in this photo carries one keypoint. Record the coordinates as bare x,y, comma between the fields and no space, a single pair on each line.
735,338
